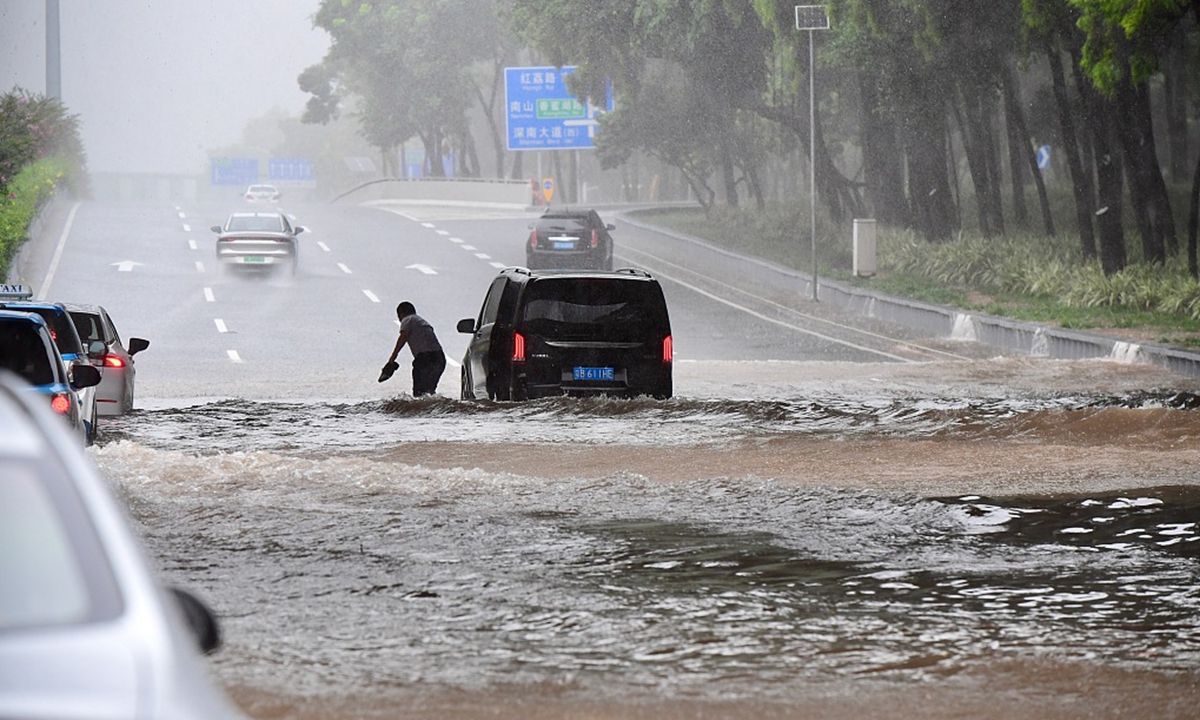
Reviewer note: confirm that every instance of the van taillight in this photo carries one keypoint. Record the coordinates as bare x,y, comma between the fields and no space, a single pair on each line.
533,239
668,350
60,403
595,239
518,353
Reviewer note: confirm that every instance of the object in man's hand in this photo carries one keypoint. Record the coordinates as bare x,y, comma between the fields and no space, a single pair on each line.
388,370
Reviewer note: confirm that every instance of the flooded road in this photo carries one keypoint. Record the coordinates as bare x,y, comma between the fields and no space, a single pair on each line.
994,538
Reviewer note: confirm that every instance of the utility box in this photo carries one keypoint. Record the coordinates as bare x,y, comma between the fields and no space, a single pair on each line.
864,248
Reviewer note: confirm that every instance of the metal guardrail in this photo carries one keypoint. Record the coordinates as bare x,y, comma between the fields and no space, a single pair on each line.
939,321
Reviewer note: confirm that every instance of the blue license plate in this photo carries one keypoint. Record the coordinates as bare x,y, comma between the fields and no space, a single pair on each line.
564,246
594,373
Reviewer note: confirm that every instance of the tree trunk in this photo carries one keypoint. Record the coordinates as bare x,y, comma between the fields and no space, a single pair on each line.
976,165
928,186
882,157
1081,178
1135,174
1175,92
1194,215
1014,115
1018,145
1108,173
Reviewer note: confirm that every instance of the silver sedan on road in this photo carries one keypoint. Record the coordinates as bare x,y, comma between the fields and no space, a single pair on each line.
260,240
114,395
86,630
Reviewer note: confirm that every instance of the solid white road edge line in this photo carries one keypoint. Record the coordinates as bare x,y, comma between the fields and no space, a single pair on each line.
58,251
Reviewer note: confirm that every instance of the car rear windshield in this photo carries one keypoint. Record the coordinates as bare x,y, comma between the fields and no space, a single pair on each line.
562,223
23,351
603,309
263,223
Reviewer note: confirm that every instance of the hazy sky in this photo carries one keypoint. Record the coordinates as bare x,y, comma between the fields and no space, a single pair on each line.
157,83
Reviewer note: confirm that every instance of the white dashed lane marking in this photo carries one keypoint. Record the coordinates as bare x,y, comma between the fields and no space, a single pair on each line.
199,266
323,246
221,325
233,355
371,296
208,295
344,269
192,244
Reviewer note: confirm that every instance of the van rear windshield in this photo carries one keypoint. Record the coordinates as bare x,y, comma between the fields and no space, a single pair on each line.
606,309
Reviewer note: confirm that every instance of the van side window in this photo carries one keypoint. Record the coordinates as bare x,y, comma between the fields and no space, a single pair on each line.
491,303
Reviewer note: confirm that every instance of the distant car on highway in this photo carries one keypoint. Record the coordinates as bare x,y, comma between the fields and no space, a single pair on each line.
576,239
114,394
262,193
546,333
27,349
258,240
66,338
86,629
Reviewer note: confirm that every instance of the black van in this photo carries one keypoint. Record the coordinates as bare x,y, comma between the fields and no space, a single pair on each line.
545,333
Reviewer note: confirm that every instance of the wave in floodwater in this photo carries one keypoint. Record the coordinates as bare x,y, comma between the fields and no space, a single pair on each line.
315,426
337,572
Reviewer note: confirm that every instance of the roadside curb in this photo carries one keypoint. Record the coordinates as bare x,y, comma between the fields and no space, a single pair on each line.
946,322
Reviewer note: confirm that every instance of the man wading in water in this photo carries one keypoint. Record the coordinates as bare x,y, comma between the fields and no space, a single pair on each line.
428,359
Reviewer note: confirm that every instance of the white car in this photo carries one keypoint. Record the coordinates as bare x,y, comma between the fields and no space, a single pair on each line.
114,394
262,193
86,629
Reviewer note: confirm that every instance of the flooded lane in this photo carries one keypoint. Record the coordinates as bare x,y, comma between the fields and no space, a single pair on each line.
740,553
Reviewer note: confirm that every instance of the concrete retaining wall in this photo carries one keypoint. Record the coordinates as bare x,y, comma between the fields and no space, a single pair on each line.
444,191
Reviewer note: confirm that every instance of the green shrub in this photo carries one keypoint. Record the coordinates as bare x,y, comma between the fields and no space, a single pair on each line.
32,187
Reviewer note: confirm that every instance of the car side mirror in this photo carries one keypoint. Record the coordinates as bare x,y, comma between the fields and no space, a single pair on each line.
610,226
299,229
216,228
200,620
84,376
97,349
466,326
136,345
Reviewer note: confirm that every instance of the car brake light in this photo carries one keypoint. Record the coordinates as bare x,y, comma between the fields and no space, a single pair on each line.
60,403
533,239
595,239
518,353
113,361
668,350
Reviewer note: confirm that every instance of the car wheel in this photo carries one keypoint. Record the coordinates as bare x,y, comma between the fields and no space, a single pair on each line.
91,430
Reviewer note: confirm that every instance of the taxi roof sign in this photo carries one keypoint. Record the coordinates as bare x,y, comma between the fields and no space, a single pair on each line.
15,292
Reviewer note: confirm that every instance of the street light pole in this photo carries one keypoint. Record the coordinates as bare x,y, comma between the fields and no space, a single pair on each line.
810,18
53,60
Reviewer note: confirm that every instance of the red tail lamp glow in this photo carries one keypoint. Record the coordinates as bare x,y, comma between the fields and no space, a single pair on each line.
60,403
518,353
668,349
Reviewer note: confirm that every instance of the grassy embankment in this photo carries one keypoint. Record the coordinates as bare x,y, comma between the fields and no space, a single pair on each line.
33,186
1022,276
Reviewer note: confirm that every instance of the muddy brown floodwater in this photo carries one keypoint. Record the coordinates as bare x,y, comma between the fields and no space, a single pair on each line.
987,539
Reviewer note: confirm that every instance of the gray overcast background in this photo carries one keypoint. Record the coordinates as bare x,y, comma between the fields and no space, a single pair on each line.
157,83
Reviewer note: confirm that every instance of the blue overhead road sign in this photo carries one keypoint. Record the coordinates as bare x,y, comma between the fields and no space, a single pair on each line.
543,115
290,170
234,171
